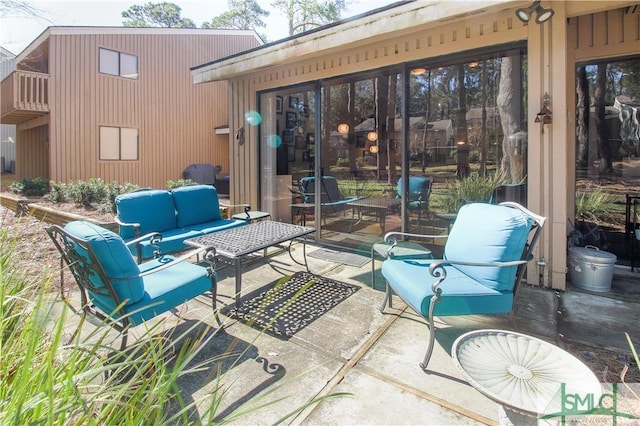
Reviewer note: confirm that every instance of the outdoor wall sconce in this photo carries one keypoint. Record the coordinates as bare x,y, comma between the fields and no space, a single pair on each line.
542,14
544,116
240,136
372,136
343,128
374,149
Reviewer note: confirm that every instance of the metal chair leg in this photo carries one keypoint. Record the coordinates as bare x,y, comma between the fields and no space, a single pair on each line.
387,298
373,268
432,334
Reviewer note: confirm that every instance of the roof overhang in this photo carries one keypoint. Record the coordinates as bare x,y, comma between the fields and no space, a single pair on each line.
63,30
401,17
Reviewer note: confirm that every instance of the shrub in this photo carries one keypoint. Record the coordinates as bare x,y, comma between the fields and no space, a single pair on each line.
30,187
94,193
173,184
474,188
342,162
596,205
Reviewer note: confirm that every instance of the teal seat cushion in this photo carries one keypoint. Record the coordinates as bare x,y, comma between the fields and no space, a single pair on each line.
196,204
172,241
486,233
167,289
461,295
116,261
153,209
217,225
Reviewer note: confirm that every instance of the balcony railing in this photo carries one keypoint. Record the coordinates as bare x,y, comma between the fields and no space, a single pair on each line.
25,96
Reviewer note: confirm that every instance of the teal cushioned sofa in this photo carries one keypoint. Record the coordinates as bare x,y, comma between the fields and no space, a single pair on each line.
177,215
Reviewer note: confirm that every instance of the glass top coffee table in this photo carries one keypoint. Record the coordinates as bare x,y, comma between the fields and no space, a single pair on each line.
237,243
524,374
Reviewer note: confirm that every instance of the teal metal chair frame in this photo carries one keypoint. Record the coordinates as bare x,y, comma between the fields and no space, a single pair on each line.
439,269
88,270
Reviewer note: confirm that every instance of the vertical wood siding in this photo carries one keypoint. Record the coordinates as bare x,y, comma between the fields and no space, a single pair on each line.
33,151
175,118
604,35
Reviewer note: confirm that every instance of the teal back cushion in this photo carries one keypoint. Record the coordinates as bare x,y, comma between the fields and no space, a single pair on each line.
196,204
489,233
419,188
329,185
152,209
115,259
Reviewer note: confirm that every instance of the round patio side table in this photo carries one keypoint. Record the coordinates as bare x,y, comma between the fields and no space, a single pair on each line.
524,374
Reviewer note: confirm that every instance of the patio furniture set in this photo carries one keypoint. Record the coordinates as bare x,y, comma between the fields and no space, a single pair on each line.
332,201
480,271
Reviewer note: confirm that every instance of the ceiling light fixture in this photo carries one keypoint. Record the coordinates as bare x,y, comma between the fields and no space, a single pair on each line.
418,71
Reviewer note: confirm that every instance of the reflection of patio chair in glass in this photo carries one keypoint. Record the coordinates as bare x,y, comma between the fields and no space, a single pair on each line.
331,199
419,192
516,192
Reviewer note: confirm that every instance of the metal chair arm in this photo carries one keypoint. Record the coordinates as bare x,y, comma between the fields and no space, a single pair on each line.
209,257
437,270
135,226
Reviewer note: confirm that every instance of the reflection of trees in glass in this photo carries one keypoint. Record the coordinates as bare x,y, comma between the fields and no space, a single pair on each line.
606,93
467,97
508,103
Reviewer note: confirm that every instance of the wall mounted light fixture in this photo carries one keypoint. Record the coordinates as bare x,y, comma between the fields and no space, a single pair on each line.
372,136
374,149
240,135
343,128
544,116
542,14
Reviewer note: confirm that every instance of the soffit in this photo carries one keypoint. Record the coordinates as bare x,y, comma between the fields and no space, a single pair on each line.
404,19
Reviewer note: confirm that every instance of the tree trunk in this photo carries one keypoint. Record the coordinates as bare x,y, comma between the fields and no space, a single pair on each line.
606,164
483,132
509,106
353,152
391,130
582,123
381,100
461,128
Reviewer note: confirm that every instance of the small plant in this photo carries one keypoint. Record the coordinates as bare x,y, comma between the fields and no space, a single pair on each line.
474,188
595,205
342,162
173,184
30,187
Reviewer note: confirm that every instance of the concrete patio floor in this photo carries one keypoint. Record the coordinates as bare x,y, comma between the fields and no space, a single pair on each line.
352,348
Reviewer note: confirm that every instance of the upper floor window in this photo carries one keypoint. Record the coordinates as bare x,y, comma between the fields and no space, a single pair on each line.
118,63
118,143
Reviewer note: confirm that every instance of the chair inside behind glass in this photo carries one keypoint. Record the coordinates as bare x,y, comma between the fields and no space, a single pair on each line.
419,193
516,192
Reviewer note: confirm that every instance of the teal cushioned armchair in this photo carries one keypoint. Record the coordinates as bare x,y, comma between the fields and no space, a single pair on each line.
485,257
115,288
